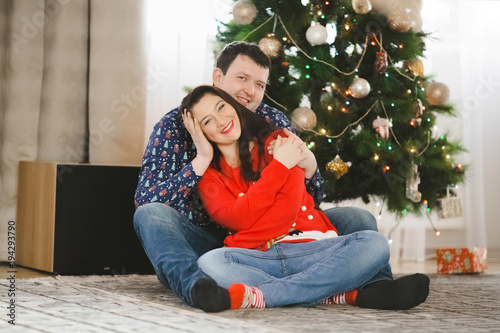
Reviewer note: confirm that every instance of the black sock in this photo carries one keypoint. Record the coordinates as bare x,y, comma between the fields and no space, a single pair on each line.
401,294
209,297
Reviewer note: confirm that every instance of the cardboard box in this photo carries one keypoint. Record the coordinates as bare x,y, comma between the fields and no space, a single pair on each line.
461,260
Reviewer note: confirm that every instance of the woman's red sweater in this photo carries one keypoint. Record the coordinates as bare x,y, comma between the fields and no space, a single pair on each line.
258,214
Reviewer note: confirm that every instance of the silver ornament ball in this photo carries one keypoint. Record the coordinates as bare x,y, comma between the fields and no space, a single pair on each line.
359,88
244,12
362,6
303,119
316,34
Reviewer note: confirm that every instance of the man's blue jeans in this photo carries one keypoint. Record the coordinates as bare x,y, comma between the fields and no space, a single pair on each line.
302,273
173,244
352,219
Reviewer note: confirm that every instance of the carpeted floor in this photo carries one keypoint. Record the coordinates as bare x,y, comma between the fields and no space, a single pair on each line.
138,303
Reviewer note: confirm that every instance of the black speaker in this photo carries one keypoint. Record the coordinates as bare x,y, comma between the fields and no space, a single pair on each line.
93,229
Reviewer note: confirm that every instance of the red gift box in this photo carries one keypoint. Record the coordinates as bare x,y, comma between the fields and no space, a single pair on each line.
461,260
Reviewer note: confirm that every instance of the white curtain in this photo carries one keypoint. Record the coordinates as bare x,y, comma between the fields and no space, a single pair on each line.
50,52
480,106
118,81
43,92
465,58
180,50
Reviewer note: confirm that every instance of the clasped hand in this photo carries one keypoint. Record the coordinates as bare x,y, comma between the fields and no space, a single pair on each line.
292,151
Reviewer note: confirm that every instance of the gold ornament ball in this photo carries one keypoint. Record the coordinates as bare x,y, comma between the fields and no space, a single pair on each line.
270,46
437,93
399,21
316,34
414,66
359,88
362,6
303,119
337,167
244,12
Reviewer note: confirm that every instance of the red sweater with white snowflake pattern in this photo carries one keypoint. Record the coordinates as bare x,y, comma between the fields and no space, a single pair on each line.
257,214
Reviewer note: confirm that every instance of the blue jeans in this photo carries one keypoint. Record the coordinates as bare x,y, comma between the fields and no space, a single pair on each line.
173,244
302,273
352,219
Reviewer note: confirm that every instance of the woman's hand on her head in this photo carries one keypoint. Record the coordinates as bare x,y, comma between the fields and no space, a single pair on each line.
204,149
288,151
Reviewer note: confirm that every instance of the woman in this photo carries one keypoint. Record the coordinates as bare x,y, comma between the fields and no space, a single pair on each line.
280,250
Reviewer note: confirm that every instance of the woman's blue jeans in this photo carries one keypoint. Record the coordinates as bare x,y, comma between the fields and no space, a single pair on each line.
302,273
173,244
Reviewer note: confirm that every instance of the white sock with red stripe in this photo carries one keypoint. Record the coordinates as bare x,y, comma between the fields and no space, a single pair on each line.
348,297
243,296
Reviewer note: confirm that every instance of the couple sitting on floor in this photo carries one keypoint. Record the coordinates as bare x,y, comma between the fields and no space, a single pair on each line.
260,184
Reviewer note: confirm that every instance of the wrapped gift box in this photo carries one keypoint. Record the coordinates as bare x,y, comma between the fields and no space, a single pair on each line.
461,260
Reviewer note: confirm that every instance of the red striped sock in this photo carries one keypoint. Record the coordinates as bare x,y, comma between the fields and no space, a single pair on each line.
243,296
348,297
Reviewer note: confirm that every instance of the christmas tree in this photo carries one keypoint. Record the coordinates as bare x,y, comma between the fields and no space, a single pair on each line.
350,77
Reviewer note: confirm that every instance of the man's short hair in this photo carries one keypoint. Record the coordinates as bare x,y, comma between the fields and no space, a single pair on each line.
233,49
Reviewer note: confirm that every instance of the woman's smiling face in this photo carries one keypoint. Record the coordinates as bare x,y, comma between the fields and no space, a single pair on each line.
218,119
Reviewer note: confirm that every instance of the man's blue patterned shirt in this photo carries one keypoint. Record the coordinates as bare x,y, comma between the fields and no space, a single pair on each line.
167,175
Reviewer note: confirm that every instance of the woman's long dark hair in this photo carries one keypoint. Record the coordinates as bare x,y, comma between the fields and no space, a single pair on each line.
253,127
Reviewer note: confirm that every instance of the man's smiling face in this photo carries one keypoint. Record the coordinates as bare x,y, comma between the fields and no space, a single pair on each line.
244,80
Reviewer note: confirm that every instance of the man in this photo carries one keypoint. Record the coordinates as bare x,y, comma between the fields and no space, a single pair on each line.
170,220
